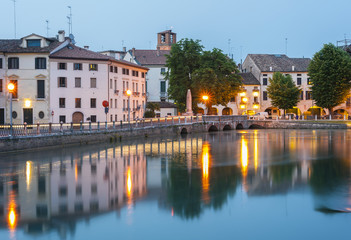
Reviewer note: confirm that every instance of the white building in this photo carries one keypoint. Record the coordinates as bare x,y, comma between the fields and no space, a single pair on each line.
24,62
82,79
262,66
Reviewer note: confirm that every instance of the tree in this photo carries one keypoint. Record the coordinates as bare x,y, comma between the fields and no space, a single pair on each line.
203,72
283,92
330,73
216,77
152,107
183,60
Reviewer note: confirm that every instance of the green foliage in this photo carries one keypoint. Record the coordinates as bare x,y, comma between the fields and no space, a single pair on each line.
330,72
203,72
153,106
282,91
149,114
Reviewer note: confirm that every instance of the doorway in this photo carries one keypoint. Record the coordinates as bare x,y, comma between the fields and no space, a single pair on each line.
28,116
2,116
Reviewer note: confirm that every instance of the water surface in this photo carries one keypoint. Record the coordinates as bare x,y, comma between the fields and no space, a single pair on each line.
247,184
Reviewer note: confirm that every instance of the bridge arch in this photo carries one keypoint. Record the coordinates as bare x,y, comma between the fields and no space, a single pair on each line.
227,127
239,126
184,131
255,126
213,128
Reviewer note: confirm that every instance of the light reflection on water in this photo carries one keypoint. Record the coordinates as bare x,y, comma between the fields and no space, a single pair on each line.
53,192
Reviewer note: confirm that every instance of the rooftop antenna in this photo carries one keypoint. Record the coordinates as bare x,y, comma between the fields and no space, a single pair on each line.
47,28
286,46
229,41
70,20
241,55
14,16
122,43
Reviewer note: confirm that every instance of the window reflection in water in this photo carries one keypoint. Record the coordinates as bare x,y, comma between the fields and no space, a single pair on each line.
244,156
28,174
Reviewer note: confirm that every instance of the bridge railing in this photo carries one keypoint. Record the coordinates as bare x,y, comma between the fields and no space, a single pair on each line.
40,129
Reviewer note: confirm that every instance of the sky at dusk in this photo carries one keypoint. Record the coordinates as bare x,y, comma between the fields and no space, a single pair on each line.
253,26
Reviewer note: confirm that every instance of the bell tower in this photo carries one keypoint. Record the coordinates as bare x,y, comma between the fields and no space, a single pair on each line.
165,40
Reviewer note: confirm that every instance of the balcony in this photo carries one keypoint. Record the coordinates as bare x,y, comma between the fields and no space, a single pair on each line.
136,94
116,92
163,95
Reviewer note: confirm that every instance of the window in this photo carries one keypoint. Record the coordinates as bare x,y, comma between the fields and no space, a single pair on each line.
62,66
79,190
1,86
92,102
163,86
33,43
92,82
93,67
41,185
13,63
265,80
116,118
40,88
143,75
298,81
309,82
77,66
63,191
116,69
62,102
142,88
111,101
111,84
135,73
93,118
255,99
62,119
301,95
308,95
124,86
125,71
111,68
78,208
265,97
0,63
15,91
78,102
40,63
62,82
115,85
42,211
163,70
77,82
115,103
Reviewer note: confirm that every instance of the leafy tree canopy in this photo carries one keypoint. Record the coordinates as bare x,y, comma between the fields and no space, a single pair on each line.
282,91
203,72
330,73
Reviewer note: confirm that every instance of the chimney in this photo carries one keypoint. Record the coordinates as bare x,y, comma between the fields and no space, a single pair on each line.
86,47
271,69
61,36
293,68
158,51
133,52
124,49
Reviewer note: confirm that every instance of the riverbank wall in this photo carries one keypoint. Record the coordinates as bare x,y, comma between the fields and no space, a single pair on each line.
25,143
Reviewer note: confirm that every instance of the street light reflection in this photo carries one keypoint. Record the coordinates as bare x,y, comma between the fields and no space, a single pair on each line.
205,171
244,156
129,183
28,174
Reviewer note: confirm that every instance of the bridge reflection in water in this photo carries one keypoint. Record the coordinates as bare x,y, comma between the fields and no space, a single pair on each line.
53,190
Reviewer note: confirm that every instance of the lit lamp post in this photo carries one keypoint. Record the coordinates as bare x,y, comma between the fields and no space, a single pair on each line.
205,98
128,94
11,89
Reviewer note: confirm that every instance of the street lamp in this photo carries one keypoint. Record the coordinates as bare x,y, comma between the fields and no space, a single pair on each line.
11,89
128,94
205,98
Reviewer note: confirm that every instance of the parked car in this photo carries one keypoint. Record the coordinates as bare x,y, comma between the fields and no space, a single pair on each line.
260,116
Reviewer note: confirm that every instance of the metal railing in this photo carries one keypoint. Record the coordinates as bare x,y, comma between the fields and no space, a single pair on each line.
42,129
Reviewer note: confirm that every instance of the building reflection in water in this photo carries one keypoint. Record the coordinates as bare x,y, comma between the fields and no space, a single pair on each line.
185,176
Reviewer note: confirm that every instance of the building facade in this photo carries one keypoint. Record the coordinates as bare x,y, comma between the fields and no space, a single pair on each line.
25,63
81,80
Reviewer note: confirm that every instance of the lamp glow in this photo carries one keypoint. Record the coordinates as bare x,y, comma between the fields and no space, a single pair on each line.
205,97
244,99
27,103
11,87
129,92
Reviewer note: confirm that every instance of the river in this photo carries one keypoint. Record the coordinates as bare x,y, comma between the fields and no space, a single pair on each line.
243,184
